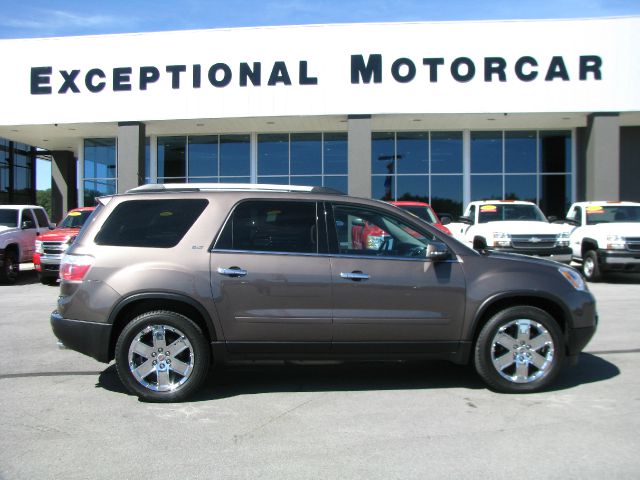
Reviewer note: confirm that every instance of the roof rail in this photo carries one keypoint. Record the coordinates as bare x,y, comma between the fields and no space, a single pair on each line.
254,187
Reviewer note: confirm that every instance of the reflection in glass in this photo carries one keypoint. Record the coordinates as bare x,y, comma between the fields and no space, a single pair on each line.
383,153
235,156
521,187
337,182
446,152
520,151
309,180
413,187
273,154
486,187
446,194
412,152
306,153
97,188
486,152
203,156
382,187
335,153
100,158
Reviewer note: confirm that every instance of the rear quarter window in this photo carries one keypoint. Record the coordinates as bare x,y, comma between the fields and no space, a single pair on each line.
150,223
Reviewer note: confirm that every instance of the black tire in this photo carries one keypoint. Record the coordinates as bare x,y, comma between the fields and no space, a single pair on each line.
10,267
149,338
524,362
591,267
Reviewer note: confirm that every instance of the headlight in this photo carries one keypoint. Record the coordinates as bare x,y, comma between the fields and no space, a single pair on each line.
574,278
39,248
615,242
563,239
501,239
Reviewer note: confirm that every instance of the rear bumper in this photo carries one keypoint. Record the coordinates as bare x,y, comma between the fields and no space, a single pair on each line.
89,338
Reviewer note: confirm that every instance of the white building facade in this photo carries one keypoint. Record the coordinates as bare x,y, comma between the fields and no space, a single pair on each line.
444,112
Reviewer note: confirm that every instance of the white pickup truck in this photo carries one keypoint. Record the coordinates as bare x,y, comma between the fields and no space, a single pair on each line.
19,227
512,226
606,237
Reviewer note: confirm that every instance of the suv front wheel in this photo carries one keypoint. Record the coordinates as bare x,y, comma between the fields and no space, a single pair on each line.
519,350
162,356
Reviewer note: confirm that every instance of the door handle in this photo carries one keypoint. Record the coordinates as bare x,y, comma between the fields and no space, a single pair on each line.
355,276
232,271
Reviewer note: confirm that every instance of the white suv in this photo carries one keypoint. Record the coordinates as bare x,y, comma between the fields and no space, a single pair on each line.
512,226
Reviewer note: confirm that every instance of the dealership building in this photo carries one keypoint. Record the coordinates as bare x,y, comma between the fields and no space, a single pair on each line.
445,112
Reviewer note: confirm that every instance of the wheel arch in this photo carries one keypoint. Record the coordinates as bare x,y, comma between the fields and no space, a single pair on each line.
496,304
137,304
588,244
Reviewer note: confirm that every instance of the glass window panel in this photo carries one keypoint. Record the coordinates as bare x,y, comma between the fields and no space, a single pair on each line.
100,158
486,187
446,152
413,187
97,188
171,157
446,194
274,180
521,187
412,152
337,182
306,153
555,152
382,153
235,155
203,156
382,187
313,181
147,160
520,151
486,152
335,153
203,179
235,180
172,180
555,194
273,154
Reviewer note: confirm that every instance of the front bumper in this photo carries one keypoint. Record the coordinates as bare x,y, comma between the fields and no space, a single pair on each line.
89,338
619,260
559,254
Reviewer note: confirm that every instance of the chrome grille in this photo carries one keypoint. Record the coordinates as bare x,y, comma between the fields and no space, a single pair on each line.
533,241
633,244
53,248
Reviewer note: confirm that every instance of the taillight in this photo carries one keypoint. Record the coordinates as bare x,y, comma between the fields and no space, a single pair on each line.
73,268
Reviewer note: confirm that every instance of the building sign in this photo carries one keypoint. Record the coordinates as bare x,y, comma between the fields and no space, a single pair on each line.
458,67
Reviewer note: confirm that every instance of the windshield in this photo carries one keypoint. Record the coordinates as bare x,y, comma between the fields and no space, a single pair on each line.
421,211
500,212
9,218
612,214
75,219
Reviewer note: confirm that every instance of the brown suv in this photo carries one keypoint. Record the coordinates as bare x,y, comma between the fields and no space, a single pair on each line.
168,279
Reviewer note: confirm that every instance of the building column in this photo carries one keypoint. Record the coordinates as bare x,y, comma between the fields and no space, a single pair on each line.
603,157
64,191
359,155
130,155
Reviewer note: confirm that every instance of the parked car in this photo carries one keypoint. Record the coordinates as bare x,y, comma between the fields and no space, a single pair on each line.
50,246
512,226
424,212
606,237
167,279
19,227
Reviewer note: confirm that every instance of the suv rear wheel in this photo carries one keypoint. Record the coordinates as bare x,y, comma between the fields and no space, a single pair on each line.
519,350
162,356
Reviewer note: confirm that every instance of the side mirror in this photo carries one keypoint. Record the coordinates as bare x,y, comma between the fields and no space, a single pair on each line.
465,220
27,224
446,219
437,251
479,244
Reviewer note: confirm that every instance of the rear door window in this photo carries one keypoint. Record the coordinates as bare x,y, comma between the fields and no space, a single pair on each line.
271,226
150,223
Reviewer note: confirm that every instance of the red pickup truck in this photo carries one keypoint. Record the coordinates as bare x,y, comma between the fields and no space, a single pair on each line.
51,246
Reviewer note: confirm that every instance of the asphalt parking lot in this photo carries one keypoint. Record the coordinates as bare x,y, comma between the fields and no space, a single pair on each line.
65,415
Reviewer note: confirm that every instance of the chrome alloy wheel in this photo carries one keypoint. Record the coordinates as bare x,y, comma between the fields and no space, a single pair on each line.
588,267
522,351
161,358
